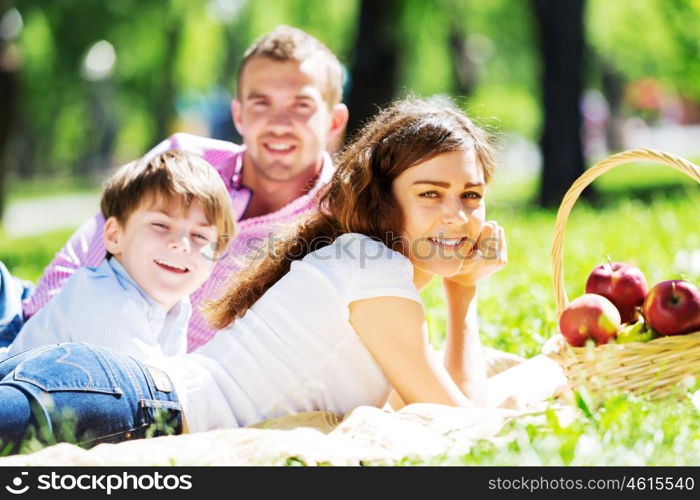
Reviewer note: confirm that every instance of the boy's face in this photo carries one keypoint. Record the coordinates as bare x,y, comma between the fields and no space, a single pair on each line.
167,253
283,116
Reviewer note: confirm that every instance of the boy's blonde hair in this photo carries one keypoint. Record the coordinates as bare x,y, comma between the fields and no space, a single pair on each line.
285,43
170,176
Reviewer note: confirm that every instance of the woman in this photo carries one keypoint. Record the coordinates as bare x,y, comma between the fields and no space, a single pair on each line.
329,319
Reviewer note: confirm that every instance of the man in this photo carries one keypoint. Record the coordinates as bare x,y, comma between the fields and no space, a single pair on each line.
287,109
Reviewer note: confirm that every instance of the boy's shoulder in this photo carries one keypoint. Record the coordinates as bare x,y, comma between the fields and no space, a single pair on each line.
93,286
90,297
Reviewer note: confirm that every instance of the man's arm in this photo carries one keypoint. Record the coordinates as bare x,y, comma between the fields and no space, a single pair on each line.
84,248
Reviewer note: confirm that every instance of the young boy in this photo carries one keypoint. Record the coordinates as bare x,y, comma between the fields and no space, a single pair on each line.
167,220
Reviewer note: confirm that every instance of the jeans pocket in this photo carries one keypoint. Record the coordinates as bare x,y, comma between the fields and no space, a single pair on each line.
9,328
164,418
69,367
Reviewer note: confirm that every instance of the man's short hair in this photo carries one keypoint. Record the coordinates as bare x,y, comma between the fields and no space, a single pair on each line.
170,176
285,43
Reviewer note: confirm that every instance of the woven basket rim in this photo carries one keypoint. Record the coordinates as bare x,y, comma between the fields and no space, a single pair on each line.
582,364
644,155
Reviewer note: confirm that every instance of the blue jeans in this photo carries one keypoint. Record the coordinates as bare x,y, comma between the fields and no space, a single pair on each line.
84,394
12,292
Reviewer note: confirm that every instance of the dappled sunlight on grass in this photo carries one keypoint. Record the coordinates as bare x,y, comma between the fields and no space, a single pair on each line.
26,258
20,190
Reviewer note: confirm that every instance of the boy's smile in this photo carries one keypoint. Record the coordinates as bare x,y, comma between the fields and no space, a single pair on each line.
169,266
164,249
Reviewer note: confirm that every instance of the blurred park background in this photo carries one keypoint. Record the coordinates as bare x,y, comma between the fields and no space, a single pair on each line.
86,85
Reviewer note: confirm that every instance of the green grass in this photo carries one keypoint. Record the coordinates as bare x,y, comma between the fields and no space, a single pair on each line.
20,190
517,314
624,430
26,258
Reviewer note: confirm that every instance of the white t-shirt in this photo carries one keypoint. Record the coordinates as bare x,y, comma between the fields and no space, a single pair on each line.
295,350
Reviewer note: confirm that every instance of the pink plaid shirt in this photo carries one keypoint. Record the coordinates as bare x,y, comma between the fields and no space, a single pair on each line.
86,248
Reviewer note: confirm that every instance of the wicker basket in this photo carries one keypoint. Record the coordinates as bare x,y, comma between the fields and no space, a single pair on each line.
655,369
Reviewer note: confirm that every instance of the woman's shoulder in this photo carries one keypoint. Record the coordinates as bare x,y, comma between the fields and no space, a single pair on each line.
357,261
358,249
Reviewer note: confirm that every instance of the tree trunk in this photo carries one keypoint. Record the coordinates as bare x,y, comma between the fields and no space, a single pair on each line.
560,29
220,120
613,91
463,65
375,69
97,157
165,107
9,64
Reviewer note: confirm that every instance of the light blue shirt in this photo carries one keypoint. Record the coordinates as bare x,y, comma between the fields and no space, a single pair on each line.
105,306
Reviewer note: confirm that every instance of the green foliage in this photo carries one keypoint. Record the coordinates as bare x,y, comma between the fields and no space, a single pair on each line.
652,38
65,430
505,107
624,431
40,188
26,258
60,127
57,103
499,37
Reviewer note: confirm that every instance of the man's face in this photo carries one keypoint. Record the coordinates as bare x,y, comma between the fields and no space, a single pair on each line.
283,117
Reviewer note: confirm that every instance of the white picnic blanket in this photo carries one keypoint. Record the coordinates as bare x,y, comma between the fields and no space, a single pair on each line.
367,435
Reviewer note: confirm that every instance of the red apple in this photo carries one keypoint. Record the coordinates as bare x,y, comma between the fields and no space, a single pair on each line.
589,316
673,307
623,284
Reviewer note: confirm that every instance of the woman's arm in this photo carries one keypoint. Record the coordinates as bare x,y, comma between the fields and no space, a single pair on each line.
464,358
393,329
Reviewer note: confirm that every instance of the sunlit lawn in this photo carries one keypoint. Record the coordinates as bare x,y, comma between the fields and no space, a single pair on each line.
516,310
20,190
27,257
517,314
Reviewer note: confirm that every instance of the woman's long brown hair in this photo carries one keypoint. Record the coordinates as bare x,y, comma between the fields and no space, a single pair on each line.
359,197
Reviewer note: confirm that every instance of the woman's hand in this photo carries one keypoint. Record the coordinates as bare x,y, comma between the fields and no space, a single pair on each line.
488,255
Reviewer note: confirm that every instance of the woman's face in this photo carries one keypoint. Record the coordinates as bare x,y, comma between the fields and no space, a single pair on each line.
442,201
